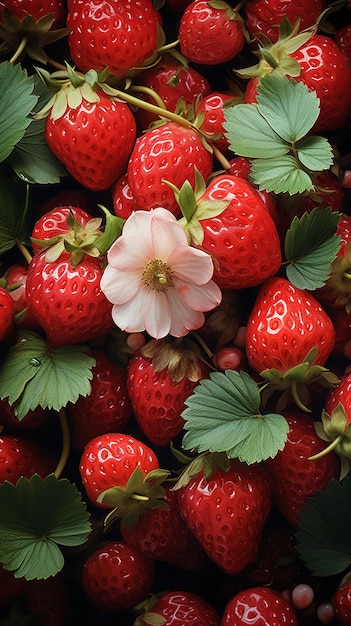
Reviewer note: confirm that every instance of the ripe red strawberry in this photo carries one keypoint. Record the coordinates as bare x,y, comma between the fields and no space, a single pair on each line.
21,8
178,608
115,577
264,16
210,112
258,606
21,456
171,80
168,152
54,224
122,197
227,513
160,378
110,459
243,238
162,535
324,70
341,601
210,33
7,313
93,139
343,39
336,292
31,421
67,301
106,409
240,166
113,34
284,325
294,477
336,417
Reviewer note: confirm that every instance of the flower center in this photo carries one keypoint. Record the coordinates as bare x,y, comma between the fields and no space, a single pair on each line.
157,275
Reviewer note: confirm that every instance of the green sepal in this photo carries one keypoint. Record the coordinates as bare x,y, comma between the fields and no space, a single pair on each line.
37,515
141,493
205,462
310,246
223,415
112,230
34,374
323,536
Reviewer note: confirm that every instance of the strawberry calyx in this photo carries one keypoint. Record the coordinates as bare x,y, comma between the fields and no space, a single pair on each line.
181,356
28,36
80,240
140,494
274,57
335,428
294,381
148,616
206,462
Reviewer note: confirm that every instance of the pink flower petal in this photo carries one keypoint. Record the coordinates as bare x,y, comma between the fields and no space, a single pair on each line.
157,314
166,235
130,252
191,265
199,297
184,319
129,316
120,287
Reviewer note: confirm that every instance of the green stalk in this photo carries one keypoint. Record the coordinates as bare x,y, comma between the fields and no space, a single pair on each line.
326,450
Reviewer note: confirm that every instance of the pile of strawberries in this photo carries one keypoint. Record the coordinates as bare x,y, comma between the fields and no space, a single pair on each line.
175,300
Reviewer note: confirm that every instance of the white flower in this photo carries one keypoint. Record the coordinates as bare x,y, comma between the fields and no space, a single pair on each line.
155,280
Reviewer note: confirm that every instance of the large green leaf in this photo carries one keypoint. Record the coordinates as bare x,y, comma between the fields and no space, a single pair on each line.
310,246
324,535
34,374
250,135
37,516
289,107
315,153
223,415
17,101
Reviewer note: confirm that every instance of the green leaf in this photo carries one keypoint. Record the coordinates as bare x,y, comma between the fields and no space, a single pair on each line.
315,153
280,175
250,135
310,246
32,159
33,374
36,516
17,100
223,415
288,106
324,537
14,223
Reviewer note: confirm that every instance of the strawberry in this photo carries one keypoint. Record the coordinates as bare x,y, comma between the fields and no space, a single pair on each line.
320,65
294,476
115,577
169,152
162,535
110,459
336,292
92,135
67,301
118,35
210,33
20,456
210,113
227,512
336,417
256,253
258,606
106,409
341,600
160,378
178,608
7,313
239,166
173,81
31,421
37,10
122,198
264,16
284,325
49,601
54,224
343,39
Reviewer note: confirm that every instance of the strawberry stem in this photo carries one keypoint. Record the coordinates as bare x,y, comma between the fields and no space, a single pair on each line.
140,498
150,92
346,275
25,252
65,443
326,450
19,50
297,398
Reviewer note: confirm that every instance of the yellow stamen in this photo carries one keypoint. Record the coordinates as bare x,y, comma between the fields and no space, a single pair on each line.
157,275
